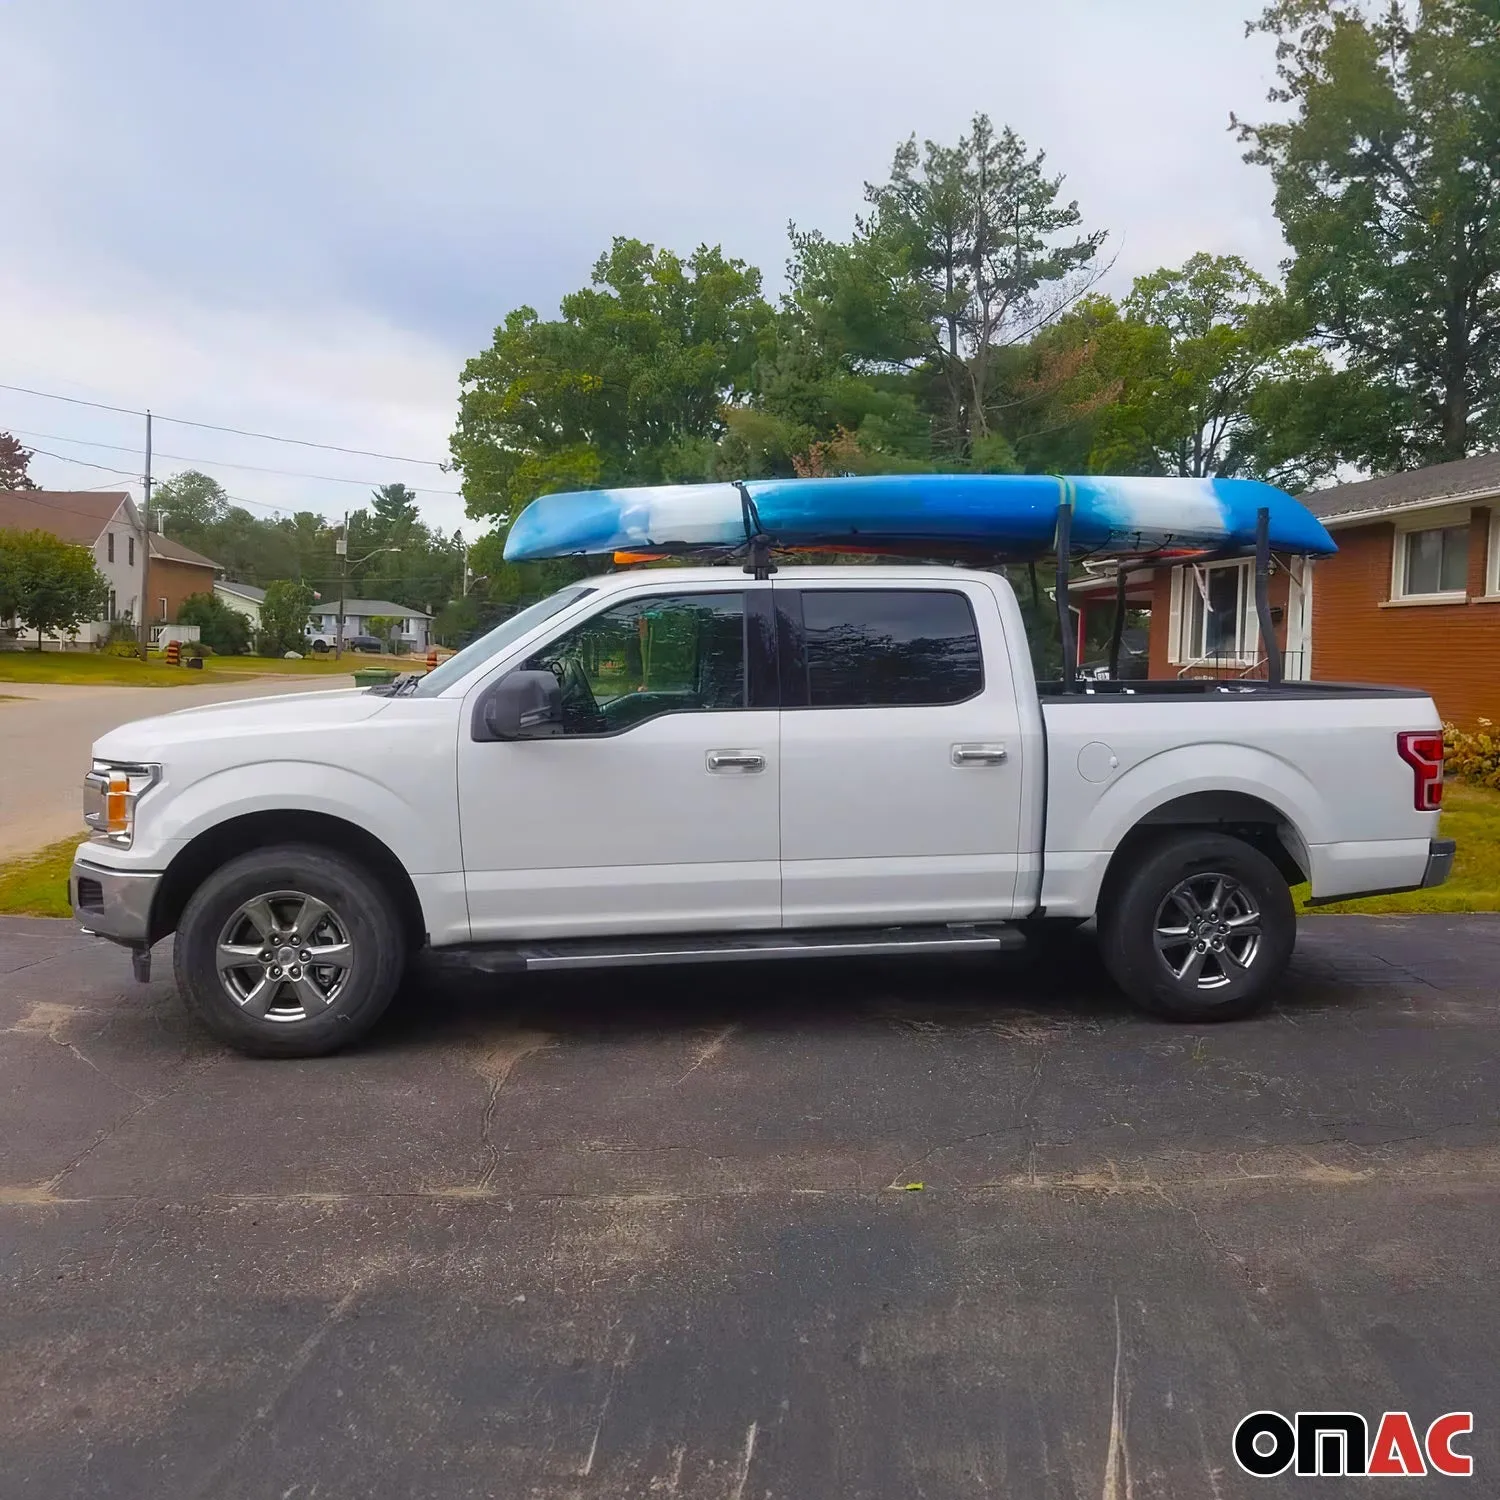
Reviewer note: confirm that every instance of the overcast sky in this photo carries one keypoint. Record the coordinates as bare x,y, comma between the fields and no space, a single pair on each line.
302,216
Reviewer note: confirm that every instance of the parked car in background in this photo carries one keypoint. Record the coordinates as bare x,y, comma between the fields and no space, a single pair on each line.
351,643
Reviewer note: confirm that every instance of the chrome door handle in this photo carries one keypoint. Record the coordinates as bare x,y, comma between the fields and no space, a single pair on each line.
736,760
979,755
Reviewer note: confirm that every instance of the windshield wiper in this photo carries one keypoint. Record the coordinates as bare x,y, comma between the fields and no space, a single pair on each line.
403,682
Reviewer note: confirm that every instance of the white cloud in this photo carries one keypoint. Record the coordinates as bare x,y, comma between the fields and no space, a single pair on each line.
311,215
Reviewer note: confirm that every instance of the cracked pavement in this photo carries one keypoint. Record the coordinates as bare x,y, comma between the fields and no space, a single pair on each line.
634,1234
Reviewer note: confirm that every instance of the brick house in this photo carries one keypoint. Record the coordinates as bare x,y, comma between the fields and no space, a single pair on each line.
1411,598
109,525
176,571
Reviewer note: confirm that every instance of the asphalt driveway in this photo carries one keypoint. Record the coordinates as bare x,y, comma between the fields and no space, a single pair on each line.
47,730
659,1235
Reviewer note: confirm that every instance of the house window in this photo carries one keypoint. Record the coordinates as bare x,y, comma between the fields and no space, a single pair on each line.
163,615
1216,613
110,608
129,551
1432,563
109,546
1492,572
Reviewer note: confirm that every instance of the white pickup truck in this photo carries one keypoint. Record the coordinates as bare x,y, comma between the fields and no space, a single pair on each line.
688,765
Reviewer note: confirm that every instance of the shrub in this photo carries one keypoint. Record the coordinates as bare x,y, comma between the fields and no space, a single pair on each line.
221,628
1474,755
284,616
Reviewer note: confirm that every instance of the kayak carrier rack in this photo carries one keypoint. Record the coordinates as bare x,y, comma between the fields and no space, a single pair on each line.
1275,669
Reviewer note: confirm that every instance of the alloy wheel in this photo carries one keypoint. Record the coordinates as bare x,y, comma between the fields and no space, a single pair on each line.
1208,931
284,956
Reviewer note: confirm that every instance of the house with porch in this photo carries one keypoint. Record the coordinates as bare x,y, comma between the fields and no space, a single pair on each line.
109,525
1412,597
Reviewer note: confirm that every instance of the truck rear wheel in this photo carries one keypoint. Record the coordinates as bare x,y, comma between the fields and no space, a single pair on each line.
292,951
1200,930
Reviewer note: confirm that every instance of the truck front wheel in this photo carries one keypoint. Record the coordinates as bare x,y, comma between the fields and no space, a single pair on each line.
292,951
1200,930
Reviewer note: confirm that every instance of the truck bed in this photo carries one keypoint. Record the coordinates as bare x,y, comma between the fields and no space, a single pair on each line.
1316,761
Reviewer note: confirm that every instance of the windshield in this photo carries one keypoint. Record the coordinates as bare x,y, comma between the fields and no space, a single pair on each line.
476,653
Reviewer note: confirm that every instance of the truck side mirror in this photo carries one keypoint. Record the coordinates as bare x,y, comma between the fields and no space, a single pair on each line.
521,706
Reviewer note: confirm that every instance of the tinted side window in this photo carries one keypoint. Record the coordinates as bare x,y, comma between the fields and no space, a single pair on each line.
890,647
679,653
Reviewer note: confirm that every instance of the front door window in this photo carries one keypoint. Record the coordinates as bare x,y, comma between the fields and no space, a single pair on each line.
673,653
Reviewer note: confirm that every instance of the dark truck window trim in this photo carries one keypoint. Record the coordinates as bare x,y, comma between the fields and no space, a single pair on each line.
797,647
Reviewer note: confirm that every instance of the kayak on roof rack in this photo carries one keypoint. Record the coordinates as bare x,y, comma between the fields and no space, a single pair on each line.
996,516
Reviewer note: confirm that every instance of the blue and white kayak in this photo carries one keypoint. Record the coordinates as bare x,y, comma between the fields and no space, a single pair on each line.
1004,514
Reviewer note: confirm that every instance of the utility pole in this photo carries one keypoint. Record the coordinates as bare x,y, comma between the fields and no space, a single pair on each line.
145,619
342,548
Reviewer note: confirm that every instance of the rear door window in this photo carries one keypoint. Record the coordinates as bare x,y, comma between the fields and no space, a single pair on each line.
869,648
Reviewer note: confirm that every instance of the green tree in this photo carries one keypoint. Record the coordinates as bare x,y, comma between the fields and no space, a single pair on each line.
384,628
1210,375
14,460
987,256
220,626
628,386
189,505
397,556
284,616
1387,180
50,585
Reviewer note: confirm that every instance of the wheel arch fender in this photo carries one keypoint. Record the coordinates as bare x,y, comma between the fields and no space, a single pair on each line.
230,813
1268,802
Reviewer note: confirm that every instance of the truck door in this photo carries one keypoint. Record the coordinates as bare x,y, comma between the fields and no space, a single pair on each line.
656,808
900,755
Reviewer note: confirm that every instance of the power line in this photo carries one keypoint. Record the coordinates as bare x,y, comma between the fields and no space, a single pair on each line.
269,437
224,463
130,477
84,463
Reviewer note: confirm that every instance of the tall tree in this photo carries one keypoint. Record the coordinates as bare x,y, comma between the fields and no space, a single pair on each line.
14,460
628,386
189,504
284,617
51,585
1212,376
1387,181
989,247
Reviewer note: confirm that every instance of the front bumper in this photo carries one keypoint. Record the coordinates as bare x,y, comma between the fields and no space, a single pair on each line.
114,904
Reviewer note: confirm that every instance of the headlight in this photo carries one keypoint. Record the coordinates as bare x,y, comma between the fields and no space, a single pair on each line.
110,793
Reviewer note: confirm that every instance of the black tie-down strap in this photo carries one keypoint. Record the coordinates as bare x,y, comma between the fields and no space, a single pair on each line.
758,564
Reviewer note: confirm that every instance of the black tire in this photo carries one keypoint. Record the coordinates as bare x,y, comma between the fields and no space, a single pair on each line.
1225,978
361,935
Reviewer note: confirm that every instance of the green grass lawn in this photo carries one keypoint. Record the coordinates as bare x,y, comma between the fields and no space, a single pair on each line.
37,885
91,668
87,668
1471,815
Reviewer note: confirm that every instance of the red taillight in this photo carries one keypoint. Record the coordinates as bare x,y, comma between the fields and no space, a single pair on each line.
1422,750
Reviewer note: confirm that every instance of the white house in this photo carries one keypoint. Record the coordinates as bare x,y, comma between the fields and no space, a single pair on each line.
244,597
414,629
108,524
